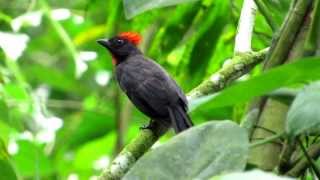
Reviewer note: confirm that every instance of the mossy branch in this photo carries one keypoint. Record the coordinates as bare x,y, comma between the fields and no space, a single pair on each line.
239,66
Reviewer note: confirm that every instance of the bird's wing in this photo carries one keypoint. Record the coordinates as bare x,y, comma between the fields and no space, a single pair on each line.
152,95
148,86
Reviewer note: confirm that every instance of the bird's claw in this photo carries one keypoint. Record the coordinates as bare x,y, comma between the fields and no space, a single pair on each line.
145,127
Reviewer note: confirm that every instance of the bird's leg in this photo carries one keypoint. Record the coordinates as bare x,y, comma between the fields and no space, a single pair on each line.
157,127
150,126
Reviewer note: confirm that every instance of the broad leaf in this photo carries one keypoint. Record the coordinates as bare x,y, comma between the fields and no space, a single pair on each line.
251,175
198,153
135,7
301,71
304,113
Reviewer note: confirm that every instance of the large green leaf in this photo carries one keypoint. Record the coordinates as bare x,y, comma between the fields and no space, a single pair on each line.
135,7
301,71
251,175
198,153
304,113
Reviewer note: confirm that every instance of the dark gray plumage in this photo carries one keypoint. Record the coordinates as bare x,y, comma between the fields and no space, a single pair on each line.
148,85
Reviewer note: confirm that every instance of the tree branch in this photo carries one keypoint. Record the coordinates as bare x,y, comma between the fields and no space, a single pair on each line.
239,66
267,140
283,43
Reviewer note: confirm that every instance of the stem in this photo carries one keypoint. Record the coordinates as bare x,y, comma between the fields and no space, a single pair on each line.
245,27
267,140
273,112
118,108
310,160
15,70
303,163
62,33
289,29
146,138
265,12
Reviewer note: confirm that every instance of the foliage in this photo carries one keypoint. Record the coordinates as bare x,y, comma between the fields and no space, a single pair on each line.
303,114
62,115
191,152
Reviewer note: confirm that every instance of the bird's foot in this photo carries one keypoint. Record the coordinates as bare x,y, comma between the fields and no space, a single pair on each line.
145,127
150,126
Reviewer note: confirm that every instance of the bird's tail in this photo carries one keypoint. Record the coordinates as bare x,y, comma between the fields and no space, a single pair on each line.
179,119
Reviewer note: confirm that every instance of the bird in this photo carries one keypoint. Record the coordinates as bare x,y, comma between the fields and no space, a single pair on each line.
148,86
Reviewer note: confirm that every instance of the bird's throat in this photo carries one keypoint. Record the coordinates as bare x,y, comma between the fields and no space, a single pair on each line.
114,61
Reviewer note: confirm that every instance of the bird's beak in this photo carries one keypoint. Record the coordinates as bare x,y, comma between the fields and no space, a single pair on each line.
104,42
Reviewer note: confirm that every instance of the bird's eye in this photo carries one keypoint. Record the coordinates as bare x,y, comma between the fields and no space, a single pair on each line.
119,41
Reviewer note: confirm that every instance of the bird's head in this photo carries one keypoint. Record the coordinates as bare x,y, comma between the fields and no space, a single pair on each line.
122,45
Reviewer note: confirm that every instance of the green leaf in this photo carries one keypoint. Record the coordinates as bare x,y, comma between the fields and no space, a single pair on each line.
304,113
312,44
31,160
4,115
177,26
3,150
92,126
53,77
7,171
135,7
210,31
16,92
5,131
96,148
301,71
251,175
198,153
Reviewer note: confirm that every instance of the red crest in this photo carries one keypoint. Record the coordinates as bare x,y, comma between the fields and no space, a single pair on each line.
132,37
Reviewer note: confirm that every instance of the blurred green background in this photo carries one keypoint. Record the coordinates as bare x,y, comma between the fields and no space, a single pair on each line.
62,115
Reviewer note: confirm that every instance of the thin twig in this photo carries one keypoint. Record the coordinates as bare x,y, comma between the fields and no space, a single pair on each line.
300,166
62,33
267,140
311,161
